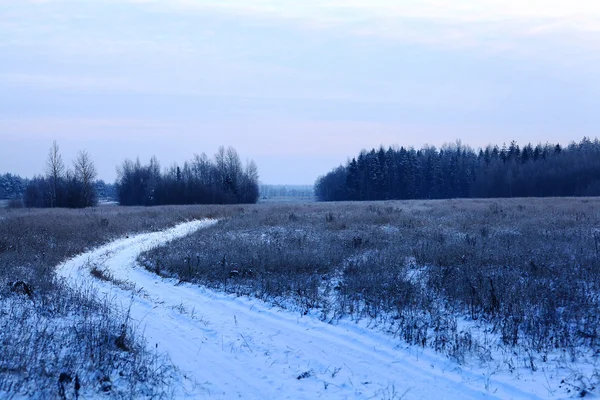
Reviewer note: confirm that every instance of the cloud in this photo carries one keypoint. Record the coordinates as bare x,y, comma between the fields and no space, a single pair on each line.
469,10
560,31
429,21
64,82
488,25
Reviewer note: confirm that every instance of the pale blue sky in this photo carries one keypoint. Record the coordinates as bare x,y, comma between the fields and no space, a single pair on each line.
298,86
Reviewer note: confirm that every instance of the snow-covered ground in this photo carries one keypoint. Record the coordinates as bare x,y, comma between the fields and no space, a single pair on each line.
228,347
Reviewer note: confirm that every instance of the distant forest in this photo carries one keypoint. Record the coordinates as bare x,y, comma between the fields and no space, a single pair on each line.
12,186
287,192
222,180
63,187
458,171
453,171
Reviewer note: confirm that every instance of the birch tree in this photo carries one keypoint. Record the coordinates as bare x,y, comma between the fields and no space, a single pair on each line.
55,169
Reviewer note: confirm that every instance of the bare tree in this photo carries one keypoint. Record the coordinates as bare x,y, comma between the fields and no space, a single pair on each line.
200,181
202,169
249,187
221,164
252,171
85,172
233,167
55,170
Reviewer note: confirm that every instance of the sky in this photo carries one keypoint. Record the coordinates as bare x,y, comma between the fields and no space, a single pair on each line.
298,86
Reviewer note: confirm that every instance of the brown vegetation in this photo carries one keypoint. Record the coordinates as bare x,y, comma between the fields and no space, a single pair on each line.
49,330
434,273
525,271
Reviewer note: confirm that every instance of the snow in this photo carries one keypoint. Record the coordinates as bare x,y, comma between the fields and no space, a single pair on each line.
228,347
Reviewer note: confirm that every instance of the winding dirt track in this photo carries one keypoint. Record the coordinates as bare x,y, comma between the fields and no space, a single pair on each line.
229,347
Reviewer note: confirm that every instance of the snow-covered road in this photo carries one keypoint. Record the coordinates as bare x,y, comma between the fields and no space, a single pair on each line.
230,347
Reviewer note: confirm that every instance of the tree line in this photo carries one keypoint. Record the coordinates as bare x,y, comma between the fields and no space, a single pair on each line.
458,171
61,186
221,180
12,186
300,192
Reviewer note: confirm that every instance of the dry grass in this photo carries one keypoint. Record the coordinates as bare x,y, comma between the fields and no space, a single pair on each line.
524,270
55,336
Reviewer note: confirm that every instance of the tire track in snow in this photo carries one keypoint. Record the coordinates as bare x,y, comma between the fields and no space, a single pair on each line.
230,347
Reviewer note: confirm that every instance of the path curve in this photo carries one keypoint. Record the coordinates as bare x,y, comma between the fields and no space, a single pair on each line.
230,347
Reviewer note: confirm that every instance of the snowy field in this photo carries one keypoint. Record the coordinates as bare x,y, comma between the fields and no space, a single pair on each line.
229,347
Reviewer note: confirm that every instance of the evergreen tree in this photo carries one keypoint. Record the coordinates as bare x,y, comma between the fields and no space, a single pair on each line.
456,171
